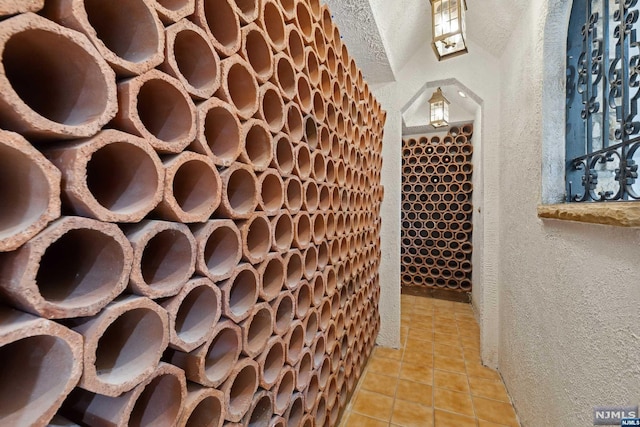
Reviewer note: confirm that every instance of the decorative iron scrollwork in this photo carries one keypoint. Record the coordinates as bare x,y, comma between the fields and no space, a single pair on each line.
603,131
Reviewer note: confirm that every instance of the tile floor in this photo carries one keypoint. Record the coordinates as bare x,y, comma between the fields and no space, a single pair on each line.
435,379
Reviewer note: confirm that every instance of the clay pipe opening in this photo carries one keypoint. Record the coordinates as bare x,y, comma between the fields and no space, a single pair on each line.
283,156
239,86
310,327
284,75
302,230
271,195
122,345
240,292
192,188
283,390
271,362
271,273
38,55
324,197
319,287
282,229
293,124
272,21
203,407
240,388
261,410
113,177
256,238
130,38
193,313
271,107
73,268
319,167
303,94
247,10
142,111
319,43
293,262
257,51
191,58
304,369
283,308
219,131
310,262
41,354
295,413
211,363
29,173
294,341
303,161
295,47
304,21
257,150
157,401
311,197
239,192
220,20
319,228
293,198
288,9
303,299
256,330
164,256
219,248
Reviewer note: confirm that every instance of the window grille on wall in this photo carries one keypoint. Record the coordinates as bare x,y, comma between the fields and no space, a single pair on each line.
603,87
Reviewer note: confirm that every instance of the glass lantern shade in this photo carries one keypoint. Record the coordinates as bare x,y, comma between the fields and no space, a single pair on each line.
449,28
439,106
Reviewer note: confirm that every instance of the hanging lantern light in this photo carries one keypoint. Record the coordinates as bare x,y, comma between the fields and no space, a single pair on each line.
449,28
439,106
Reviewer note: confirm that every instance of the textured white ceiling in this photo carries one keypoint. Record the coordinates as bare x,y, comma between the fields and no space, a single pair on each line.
382,35
359,31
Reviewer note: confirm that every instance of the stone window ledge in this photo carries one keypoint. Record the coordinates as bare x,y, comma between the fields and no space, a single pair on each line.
619,214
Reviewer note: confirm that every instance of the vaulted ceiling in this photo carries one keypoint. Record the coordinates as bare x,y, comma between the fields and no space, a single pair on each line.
383,35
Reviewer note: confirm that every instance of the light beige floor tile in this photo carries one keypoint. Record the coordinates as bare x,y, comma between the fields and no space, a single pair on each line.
480,371
449,364
449,419
357,420
379,383
415,373
388,353
452,401
446,339
415,392
373,405
494,411
489,389
410,414
449,351
451,381
384,366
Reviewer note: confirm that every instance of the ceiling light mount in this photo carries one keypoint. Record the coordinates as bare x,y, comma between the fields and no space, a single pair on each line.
449,28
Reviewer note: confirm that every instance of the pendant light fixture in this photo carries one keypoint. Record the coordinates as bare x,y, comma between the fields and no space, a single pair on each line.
449,28
439,106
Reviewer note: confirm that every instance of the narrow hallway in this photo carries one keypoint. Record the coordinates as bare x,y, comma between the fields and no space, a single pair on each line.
435,378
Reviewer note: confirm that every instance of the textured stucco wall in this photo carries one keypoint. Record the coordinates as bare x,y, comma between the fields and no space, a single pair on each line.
391,178
569,298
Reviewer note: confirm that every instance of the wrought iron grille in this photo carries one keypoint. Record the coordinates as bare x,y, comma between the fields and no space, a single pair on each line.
603,87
